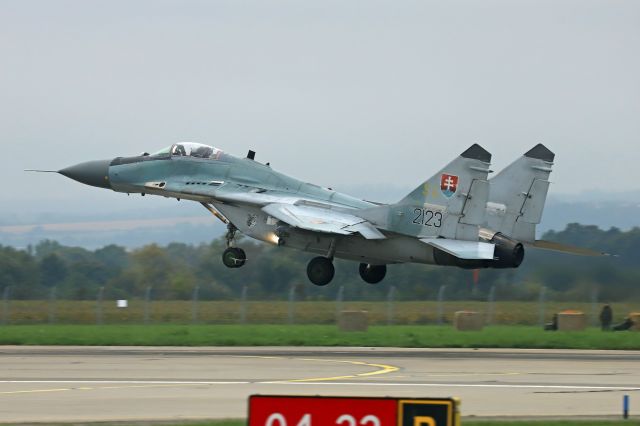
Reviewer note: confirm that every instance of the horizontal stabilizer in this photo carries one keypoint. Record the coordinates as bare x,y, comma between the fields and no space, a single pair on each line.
319,219
564,248
462,249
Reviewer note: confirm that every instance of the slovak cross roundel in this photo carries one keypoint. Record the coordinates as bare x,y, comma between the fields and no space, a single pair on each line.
448,185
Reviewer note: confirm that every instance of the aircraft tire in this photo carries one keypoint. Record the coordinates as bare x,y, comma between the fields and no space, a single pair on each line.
372,274
234,257
320,271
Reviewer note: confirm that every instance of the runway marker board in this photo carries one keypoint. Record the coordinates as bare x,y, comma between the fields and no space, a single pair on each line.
286,410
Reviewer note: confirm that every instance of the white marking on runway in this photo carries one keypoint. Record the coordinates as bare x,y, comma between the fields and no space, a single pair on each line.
460,385
376,384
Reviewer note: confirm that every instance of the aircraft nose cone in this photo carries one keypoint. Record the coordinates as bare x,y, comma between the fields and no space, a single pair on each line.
94,173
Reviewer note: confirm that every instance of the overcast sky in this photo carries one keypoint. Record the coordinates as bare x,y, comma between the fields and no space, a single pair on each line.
334,92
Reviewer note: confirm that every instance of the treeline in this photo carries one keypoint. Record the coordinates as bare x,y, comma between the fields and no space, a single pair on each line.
174,271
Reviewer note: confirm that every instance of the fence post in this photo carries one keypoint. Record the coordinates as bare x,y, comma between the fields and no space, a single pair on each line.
99,306
491,302
440,310
541,302
594,306
194,304
292,300
243,305
52,305
6,314
147,303
339,300
390,305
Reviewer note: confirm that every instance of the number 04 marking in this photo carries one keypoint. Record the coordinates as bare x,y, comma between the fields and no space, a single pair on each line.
277,419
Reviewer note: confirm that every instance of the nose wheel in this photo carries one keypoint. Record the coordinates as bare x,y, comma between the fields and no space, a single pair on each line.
234,257
372,274
320,270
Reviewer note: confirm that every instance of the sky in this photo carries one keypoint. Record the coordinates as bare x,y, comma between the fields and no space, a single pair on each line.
346,94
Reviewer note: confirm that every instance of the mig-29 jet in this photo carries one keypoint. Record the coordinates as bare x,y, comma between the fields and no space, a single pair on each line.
458,217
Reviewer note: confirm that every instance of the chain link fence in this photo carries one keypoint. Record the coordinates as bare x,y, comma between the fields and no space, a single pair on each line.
292,309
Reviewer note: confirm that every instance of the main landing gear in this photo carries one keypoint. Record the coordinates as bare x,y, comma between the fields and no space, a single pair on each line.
233,257
372,274
320,270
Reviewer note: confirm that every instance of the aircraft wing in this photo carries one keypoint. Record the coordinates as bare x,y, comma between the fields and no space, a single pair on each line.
322,220
462,249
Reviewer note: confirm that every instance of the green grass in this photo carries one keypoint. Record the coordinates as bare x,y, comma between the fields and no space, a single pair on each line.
313,335
277,312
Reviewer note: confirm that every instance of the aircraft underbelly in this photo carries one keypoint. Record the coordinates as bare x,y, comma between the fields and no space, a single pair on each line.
253,222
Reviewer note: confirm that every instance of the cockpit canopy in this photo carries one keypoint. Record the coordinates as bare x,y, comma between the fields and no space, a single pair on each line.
190,149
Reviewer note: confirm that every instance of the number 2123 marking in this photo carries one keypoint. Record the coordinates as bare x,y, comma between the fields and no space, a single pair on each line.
427,217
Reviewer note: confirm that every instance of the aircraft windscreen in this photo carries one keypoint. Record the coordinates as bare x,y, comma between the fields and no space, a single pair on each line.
163,152
192,149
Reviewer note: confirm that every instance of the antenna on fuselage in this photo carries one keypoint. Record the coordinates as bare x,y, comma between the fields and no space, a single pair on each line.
251,155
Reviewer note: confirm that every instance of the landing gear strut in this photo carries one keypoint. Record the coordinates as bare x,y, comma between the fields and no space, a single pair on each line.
233,257
320,270
372,274
230,236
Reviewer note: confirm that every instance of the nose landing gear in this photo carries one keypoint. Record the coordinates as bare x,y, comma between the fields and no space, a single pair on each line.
233,257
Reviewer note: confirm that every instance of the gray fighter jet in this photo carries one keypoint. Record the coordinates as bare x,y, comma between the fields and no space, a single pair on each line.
458,217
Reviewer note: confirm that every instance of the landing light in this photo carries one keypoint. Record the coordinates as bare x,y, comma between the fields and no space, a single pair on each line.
272,238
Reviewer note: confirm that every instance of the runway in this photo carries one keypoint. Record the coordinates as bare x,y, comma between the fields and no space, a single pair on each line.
83,384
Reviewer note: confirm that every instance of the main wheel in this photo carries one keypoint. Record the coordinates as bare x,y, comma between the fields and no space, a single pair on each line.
372,274
234,257
320,270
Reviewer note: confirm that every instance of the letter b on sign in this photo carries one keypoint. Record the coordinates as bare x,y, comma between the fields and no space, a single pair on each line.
423,421
427,412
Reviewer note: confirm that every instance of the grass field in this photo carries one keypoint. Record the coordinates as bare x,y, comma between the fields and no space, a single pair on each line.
313,335
277,312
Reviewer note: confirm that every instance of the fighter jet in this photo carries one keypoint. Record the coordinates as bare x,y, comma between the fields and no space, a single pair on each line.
458,217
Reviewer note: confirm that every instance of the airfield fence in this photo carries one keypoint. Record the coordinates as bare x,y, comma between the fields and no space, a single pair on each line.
144,310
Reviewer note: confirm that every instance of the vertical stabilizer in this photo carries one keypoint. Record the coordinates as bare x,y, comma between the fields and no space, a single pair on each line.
450,204
518,194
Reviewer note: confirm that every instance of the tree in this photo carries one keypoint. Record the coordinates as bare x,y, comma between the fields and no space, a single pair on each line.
52,270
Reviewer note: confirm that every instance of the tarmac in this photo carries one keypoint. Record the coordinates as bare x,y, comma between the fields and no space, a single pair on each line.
86,384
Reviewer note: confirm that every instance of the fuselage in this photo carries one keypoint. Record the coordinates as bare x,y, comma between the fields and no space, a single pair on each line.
207,180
